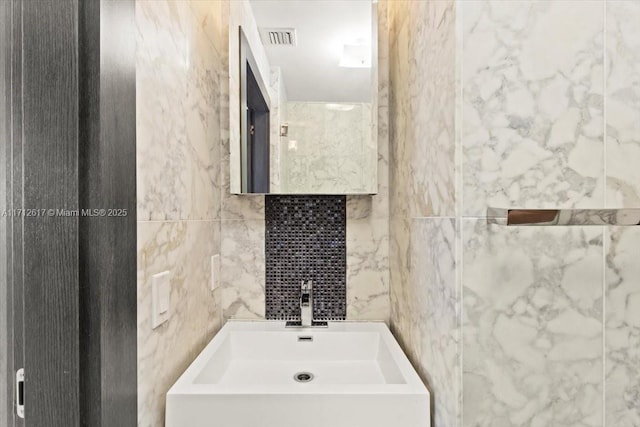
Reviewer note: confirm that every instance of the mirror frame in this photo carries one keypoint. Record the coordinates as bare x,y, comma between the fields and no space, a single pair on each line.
247,58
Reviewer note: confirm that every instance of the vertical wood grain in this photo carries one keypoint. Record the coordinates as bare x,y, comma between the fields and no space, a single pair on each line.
15,266
5,84
50,159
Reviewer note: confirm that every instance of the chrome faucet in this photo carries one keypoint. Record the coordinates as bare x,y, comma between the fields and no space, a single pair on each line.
306,303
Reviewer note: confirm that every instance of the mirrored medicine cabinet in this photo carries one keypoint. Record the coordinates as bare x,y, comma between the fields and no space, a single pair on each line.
303,97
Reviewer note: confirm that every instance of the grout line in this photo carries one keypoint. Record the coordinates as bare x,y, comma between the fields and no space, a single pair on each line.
431,217
605,232
604,101
178,220
605,235
460,254
460,221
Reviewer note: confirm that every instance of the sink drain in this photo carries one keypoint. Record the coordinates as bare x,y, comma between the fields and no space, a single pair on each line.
303,377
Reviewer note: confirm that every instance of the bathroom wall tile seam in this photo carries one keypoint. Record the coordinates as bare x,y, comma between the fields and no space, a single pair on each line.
460,206
605,66
169,221
605,185
605,248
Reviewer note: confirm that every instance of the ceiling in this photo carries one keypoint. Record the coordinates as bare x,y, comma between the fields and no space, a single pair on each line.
310,69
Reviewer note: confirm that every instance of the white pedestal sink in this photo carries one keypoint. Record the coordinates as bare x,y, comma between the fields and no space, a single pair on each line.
261,374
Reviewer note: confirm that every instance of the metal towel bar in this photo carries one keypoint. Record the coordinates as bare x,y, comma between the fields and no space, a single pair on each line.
563,217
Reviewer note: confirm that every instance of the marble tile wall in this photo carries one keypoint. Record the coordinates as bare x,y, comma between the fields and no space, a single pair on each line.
180,72
423,256
549,96
242,224
532,107
532,325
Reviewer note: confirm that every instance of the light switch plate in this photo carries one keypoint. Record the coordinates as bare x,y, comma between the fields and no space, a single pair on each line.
160,299
215,272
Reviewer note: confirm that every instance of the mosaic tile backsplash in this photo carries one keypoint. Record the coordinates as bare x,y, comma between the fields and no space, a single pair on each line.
305,239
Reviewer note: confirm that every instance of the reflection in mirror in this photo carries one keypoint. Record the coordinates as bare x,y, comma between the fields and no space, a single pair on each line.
303,100
254,123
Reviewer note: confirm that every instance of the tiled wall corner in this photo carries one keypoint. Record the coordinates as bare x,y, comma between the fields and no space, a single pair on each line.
422,175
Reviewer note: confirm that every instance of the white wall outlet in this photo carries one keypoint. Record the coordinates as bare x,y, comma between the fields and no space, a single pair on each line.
160,299
215,272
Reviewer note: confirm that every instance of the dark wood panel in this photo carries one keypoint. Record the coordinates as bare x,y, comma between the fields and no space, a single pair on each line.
89,126
14,200
108,244
5,136
50,156
73,146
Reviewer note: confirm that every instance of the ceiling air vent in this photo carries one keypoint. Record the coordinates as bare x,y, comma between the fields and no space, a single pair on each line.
278,36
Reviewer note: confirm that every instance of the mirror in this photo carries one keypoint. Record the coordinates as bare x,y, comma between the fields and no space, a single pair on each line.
303,87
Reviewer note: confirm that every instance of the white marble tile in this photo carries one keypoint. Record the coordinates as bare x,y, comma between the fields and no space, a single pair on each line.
380,201
178,75
622,333
623,104
237,207
368,269
425,314
422,108
399,281
183,248
532,325
433,273
532,118
243,269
